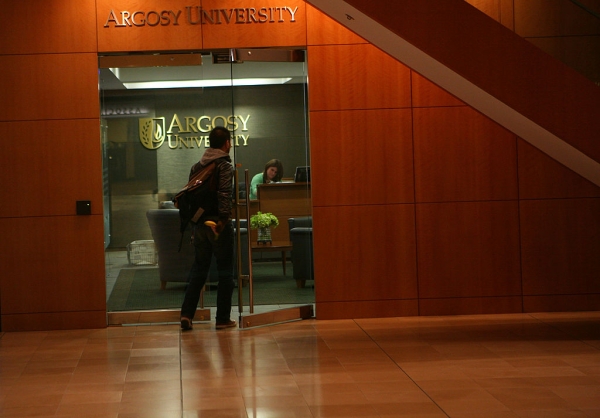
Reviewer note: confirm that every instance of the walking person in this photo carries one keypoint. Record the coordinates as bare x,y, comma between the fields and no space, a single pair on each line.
216,237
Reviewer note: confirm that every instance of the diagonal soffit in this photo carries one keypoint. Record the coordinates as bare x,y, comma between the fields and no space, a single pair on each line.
490,68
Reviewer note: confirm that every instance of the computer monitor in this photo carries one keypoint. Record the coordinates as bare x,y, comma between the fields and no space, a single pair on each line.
302,175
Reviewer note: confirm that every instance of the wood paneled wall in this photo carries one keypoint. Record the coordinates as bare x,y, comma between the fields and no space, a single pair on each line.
69,26
52,260
421,205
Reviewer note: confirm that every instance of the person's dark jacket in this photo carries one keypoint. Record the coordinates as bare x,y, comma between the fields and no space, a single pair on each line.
220,209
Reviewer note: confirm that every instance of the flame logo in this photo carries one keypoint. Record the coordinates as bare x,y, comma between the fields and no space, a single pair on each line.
158,133
152,132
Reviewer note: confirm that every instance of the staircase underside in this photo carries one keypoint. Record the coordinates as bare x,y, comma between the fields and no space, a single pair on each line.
490,68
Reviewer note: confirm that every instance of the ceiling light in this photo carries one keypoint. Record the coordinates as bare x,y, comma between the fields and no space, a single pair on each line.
206,83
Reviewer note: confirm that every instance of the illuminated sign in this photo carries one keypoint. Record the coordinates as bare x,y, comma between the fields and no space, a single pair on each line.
187,132
196,15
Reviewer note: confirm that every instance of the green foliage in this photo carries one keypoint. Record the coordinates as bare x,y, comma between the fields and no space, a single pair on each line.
263,220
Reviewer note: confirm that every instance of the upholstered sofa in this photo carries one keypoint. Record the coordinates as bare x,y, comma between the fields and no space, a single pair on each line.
302,251
173,264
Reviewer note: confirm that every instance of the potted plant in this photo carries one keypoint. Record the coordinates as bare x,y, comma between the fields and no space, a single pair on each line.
264,222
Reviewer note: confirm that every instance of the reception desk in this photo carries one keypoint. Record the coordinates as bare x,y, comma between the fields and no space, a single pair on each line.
284,200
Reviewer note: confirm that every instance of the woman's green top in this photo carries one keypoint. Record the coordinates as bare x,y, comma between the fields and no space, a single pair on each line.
256,180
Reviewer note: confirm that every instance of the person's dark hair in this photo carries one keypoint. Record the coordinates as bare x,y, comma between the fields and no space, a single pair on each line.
278,165
218,136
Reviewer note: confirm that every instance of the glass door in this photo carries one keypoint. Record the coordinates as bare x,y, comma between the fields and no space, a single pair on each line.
157,112
274,201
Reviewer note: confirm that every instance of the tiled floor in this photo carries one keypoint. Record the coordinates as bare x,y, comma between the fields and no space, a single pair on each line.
499,366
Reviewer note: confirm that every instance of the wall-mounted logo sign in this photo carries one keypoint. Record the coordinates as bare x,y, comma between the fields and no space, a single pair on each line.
188,132
152,132
196,15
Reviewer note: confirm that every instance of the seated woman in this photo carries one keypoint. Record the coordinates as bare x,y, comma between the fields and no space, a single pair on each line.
272,174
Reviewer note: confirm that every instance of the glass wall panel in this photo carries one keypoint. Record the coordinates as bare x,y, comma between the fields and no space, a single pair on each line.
157,112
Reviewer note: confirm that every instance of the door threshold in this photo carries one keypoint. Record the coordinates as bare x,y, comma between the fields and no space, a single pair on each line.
152,316
276,317
162,316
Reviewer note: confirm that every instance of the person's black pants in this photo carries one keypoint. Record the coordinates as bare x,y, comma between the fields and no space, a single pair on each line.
205,246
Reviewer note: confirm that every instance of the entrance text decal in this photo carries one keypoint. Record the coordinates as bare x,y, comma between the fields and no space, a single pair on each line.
196,15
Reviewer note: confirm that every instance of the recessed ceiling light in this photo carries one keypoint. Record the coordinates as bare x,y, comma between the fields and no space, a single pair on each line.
205,83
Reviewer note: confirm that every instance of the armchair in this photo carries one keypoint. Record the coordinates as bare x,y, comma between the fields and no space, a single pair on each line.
302,251
173,265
